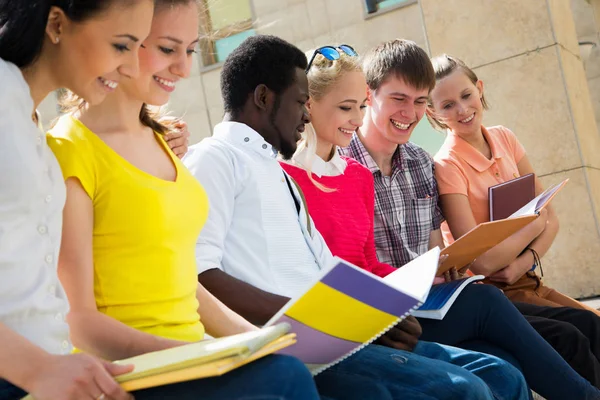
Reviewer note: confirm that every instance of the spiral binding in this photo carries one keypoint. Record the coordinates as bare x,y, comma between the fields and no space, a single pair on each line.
374,338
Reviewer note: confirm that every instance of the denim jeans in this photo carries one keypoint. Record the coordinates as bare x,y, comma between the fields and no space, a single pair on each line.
271,378
483,313
431,371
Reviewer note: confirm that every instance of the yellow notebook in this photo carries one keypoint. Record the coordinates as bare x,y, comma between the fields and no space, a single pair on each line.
203,359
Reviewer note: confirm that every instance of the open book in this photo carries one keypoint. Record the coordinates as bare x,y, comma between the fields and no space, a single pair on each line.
202,359
441,297
479,240
541,201
348,308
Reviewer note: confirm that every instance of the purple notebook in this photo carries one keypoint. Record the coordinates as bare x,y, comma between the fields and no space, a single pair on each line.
508,197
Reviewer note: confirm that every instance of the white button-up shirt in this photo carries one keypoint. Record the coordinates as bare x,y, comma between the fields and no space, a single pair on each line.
32,196
254,231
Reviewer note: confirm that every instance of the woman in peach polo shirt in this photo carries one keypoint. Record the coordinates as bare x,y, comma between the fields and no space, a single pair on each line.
472,159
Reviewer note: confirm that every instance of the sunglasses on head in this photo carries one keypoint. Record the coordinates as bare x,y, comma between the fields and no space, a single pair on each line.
332,53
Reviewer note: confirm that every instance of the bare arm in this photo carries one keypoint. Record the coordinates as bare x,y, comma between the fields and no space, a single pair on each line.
92,331
436,239
218,319
256,305
48,376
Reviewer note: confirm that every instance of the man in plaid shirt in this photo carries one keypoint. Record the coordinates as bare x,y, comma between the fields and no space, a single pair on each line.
407,215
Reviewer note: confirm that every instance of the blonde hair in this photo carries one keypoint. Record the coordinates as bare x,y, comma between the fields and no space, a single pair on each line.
322,76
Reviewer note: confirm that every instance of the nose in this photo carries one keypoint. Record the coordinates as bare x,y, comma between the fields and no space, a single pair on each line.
131,68
462,109
305,115
408,111
182,66
357,119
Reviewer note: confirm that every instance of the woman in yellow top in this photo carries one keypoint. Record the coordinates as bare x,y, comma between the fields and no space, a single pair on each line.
131,220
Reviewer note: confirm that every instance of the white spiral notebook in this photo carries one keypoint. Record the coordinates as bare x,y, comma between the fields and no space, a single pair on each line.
348,308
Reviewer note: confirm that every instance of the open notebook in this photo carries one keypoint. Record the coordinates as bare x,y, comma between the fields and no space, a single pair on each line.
203,359
479,240
348,308
441,298
540,202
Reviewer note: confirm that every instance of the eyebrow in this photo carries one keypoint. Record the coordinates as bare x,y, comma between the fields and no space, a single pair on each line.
178,41
128,36
352,101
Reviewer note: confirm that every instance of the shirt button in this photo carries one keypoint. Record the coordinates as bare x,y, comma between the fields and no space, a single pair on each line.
246,139
49,258
48,199
65,344
52,289
264,146
42,229
39,141
59,317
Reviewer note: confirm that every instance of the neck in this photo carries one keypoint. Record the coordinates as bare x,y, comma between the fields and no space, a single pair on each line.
41,81
325,150
117,113
381,150
475,139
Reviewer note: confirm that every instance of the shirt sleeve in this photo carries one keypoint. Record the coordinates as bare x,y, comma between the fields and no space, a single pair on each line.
437,216
76,161
449,178
378,268
214,169
518,151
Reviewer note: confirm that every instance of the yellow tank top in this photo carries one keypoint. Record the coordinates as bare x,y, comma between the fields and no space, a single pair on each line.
145,232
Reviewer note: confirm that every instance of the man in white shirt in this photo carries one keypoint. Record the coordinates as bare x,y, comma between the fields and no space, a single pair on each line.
259,247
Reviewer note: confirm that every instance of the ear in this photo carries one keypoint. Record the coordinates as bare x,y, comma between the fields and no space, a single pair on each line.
369,96
55,27
479,85
262,97
309,104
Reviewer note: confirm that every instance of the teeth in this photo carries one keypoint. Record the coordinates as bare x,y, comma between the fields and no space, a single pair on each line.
109,84
164,82
347,131
468,119
400,125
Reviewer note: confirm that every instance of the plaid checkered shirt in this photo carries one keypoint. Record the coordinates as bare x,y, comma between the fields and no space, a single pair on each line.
406,204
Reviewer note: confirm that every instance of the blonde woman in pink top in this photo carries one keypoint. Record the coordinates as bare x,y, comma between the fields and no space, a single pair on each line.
472,159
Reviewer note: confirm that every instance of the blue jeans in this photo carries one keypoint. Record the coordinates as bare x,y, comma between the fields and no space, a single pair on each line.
431,371
483,313
271,378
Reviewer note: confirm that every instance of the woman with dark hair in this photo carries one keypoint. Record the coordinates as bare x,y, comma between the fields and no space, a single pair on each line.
87,47
44,45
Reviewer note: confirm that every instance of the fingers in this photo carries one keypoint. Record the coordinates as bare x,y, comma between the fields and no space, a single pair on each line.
454,275
107,384
401,339
447,277
411,326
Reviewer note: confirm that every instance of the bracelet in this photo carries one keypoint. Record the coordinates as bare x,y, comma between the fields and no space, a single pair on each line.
537,262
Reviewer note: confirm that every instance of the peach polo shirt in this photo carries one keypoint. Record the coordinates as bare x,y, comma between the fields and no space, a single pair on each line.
462,169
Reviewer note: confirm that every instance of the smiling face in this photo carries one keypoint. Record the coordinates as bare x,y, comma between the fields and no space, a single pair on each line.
396,108
456,102
339,113
104,48
166,54
288,116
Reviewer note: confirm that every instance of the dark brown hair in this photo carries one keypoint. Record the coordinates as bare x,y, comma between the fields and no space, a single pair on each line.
443,66
402,59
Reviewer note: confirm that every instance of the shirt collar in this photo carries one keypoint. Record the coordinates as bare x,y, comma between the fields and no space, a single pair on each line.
471,155
336,166
359,151
244,137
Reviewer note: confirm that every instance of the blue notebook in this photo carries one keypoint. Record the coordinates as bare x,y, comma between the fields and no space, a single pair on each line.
442,296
